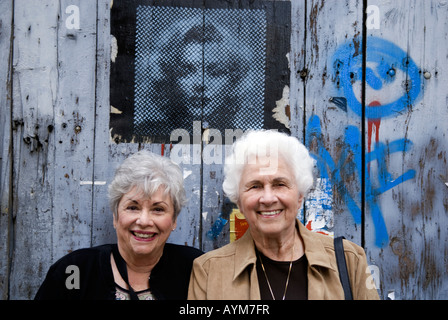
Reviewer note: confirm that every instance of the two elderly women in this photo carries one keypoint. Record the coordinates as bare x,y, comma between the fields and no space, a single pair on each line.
267,175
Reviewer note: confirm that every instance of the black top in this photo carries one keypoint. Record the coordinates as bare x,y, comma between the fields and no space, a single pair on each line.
277,273
169,278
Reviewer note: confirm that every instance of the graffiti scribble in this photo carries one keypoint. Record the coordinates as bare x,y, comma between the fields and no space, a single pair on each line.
350,163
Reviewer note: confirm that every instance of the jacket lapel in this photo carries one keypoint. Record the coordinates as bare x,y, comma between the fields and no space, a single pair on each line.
245,253
246,262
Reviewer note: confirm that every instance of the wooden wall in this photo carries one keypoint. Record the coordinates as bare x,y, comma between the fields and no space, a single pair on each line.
368,96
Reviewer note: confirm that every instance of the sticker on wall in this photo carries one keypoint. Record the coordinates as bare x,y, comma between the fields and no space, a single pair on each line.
175,64
238,225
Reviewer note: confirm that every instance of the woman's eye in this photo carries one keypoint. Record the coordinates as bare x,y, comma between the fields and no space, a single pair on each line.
132,208
280,185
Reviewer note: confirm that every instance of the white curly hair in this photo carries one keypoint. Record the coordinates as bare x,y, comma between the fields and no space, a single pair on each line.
273,144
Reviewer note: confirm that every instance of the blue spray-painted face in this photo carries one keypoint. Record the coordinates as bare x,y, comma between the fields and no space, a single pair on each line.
385,64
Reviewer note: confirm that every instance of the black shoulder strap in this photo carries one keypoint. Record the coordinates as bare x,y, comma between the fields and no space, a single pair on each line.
342,267
122,268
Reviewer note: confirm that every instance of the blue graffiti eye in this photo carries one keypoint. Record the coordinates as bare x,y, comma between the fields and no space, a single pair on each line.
391,72
390,75
386,71
385,64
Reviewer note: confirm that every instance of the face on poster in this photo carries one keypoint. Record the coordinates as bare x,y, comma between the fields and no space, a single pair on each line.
192,64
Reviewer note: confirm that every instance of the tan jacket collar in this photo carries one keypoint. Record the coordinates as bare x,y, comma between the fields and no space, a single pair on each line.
244,254
314,250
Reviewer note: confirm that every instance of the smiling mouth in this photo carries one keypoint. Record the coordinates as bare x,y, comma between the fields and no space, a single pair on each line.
144,236
271,213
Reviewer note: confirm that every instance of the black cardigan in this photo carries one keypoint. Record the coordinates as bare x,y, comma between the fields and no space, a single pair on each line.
169,278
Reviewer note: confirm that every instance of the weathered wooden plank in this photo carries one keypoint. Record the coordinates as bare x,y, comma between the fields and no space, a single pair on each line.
102,225
409,149
332,131
6,15
297,64
74,121
189,220
34,95
215,226
54,83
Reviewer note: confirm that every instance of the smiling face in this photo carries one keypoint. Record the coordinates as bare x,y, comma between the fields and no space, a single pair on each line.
144,224
270,202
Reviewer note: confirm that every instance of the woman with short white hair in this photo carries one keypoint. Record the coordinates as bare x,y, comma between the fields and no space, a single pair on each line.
268,175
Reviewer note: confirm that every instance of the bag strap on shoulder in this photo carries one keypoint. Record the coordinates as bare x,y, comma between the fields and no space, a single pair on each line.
342,267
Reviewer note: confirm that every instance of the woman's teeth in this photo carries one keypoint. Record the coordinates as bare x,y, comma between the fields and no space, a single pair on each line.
270,213
144,235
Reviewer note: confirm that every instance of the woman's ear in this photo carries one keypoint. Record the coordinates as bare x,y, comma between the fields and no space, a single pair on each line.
238,205
301,197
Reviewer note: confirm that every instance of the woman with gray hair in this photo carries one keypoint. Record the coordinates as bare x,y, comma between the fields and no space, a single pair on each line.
146,196
268,175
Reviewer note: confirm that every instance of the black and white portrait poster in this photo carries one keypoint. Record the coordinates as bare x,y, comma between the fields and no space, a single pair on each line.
177,62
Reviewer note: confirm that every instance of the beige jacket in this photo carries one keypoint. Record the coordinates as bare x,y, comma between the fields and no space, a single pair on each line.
229,273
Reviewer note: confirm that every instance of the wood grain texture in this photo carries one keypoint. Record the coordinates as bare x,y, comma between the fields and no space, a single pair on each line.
34,88
334,205
414,261
6,38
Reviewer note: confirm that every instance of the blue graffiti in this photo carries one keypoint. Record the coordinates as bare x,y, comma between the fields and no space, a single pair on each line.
386,182
217,227
386,64
350,163
330,170
384,61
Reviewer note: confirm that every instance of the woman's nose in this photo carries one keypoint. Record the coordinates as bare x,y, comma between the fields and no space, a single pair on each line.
268,197
145,218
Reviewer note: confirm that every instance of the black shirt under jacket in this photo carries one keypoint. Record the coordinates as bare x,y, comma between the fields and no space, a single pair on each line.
169,278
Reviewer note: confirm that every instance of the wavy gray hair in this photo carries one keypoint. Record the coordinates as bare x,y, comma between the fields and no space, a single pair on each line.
272,144
148,172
